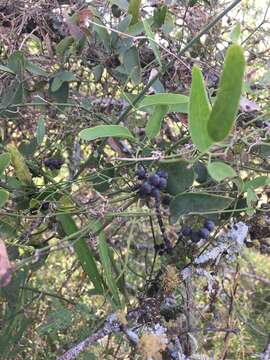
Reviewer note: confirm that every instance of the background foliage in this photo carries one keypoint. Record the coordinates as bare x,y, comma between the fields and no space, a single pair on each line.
91,93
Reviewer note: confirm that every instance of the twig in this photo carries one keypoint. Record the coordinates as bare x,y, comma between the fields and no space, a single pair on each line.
266,353
111,325
253,276
124,114
229,321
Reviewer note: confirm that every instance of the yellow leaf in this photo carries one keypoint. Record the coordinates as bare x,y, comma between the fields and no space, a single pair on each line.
21,169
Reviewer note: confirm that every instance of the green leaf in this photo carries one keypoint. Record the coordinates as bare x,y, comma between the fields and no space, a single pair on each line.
235,33
132,65
98,71
251,201
197,203
102,33
227,101
256,183
16,63
160,15
4,195
180,175
63,46
35,70
4,162
106,262
138,28
89,356
7,69
199,111
163,99
61,95
123,4
21,169
169,23
153,125
150,35
12,95
134,10
40,130
57,321
102,131
60,78
28,149
10,338
219,171
262,149
83,252
182,108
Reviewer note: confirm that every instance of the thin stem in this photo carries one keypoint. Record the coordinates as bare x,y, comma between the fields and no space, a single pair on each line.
124,114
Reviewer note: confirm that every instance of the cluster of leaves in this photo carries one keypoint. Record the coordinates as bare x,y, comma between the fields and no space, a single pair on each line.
85,114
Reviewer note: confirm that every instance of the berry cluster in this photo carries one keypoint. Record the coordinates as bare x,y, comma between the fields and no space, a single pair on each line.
152,184
202,233
54,163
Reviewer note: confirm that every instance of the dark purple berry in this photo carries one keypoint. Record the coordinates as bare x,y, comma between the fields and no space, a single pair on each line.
186,231
162,183
209,224
155,193
204,233
162,174
45,205
154,179
195,237
141,174
54,163
159,247
166,199
146,188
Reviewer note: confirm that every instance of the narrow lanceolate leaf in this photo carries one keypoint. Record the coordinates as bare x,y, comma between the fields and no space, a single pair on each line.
256,183
153,125
21,169
235,33
227,101
134,10
35,69
150,35
83,252
4,195
199,112
163,99
102,131
106,263
4,162
219,171
7,69
40,130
